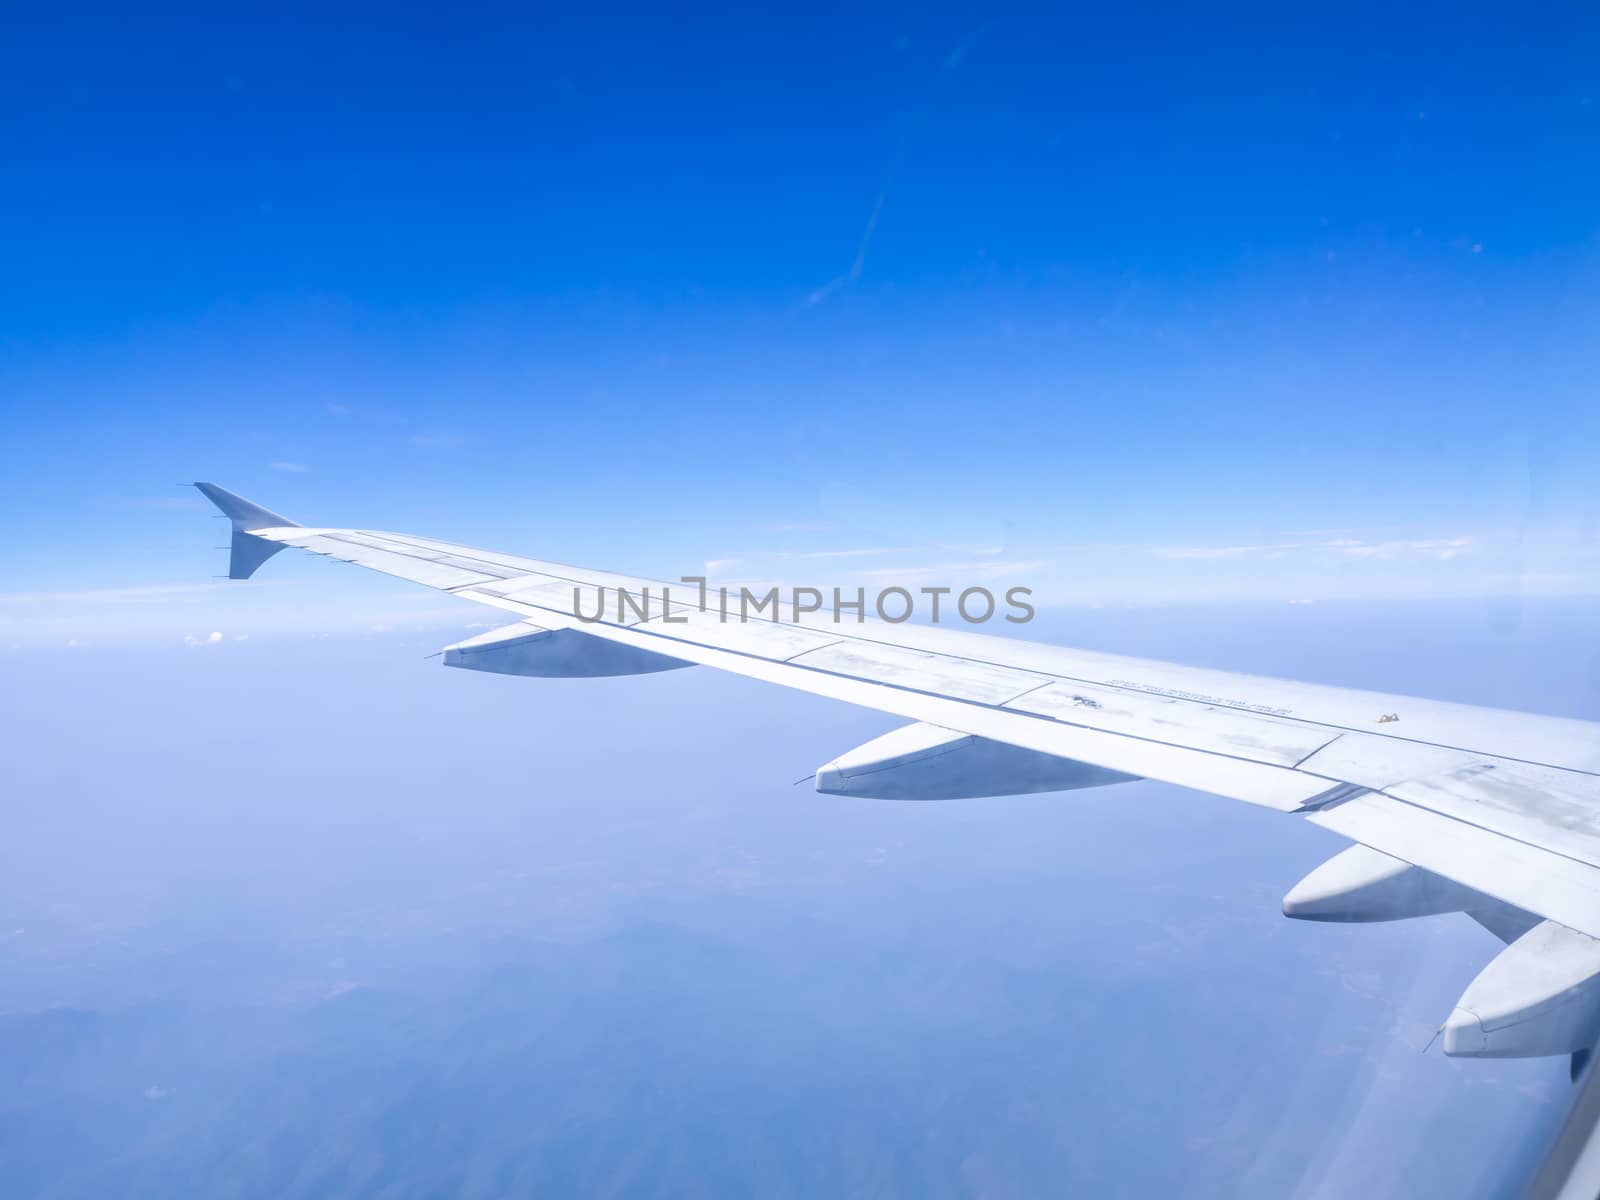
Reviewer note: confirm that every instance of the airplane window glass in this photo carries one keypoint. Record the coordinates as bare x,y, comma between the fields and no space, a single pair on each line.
1018,587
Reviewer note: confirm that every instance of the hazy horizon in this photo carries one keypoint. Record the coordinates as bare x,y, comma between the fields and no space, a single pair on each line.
307,914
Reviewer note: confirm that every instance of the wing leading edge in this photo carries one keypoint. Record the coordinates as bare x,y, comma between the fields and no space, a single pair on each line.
1492,813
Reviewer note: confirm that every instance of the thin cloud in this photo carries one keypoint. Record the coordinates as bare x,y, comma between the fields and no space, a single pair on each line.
383,417
713,565
438,441
957,571
861,552
857,266
155,592
959,548
1209,552
292,467
957,56
796,527
1344,547
1439,548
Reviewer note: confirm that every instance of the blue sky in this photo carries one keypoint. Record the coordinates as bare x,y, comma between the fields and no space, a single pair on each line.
1132,309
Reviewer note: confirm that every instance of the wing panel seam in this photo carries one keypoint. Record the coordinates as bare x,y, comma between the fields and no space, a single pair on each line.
1212,704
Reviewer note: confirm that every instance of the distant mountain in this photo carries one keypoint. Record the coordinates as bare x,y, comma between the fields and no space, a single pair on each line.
660,1062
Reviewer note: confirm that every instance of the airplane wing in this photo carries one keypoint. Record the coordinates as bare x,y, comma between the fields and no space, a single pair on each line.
1452,808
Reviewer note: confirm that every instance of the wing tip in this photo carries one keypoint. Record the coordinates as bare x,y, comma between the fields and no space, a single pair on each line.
246,515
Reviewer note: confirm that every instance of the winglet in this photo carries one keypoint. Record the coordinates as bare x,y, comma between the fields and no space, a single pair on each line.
244,514
247,552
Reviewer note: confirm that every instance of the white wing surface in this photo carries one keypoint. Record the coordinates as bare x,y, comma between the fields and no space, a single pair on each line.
1455,808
